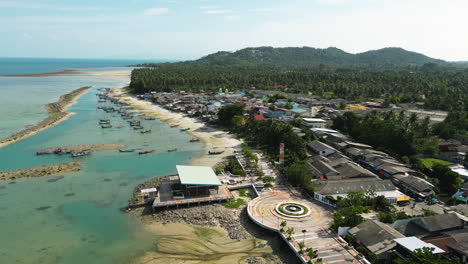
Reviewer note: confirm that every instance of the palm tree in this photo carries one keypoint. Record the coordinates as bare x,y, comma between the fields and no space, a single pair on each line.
290,232
301,247
311,253
283,224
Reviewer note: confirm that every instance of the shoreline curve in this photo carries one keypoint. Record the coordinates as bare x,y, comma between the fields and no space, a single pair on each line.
57,113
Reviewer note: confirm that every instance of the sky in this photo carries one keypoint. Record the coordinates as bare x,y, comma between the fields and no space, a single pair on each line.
189,29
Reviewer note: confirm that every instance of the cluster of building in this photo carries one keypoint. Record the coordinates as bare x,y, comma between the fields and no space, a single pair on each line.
443,234
342,166
206,105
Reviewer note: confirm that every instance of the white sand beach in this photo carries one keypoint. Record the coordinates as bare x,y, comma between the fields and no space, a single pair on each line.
212,138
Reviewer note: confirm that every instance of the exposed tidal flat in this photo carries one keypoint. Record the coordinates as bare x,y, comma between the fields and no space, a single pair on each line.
77,218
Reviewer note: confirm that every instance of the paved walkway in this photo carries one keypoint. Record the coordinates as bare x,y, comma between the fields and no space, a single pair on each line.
316,226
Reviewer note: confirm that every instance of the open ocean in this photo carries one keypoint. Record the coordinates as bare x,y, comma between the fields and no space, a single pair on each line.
77,218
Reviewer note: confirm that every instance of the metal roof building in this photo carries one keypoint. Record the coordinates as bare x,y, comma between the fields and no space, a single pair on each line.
197,175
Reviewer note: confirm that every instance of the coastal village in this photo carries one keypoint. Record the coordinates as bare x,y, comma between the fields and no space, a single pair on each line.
342,170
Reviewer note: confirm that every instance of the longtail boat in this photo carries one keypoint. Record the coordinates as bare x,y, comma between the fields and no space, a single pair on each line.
184,129
215,152
106,126
126,150
146,151
172,150
145,131
137,127
43,152
81,153
176,125
194,139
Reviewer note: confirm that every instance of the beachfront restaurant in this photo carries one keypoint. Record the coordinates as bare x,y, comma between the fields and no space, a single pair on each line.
196,181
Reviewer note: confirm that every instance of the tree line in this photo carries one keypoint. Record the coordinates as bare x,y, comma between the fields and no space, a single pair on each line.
446,90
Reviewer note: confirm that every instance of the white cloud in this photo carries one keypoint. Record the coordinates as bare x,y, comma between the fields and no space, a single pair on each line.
218,11
156,11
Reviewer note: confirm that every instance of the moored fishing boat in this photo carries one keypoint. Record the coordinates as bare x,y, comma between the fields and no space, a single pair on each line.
150,118
194,139
146,151
145,131
176,125
137,127
172,150
184,129
43,152
106,126
126,150
81,153
213,152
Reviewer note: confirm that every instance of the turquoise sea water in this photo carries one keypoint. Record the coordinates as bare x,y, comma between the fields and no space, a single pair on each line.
10,66
77,218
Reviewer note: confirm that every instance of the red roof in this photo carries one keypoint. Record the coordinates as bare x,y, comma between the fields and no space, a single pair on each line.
280,86
259,117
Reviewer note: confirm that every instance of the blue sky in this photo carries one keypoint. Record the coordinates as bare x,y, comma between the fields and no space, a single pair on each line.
188,29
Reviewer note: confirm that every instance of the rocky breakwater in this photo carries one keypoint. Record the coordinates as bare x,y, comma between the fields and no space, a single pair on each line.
56,114
207,215
40,171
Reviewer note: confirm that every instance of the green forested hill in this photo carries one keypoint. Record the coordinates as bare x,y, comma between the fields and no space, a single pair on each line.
387,58
312,57
392,74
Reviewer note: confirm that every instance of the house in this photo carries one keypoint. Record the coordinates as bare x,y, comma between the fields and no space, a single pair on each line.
429,226
337,166
321,148
313,123
460,169
415,185
376,237
408,245
149,194
462,193
336,188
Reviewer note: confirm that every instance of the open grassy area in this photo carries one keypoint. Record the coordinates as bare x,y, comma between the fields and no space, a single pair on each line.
235,203
244,192
429,162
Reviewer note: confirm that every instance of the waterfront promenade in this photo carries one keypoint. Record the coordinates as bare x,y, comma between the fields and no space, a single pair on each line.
313,230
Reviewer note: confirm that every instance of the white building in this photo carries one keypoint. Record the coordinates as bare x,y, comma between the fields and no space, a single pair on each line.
313,122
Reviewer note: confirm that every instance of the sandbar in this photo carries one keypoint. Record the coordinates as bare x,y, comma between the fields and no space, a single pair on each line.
56,114
40,171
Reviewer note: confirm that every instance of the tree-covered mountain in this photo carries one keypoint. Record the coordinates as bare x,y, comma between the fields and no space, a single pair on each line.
385,58
391,74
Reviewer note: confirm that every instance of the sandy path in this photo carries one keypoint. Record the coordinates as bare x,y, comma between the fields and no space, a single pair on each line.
212,138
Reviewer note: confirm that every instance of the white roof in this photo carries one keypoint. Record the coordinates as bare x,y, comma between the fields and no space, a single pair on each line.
323,130
460,170
314,120
413,243
149,190
197,175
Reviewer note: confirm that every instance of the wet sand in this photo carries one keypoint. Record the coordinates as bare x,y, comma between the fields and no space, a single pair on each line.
213,138
46,170
56,114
